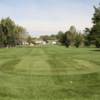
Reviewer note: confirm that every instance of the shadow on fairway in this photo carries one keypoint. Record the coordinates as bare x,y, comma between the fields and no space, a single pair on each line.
96,50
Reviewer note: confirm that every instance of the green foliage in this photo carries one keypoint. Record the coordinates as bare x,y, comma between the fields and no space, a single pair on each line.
96,18
71,37
10,33
97,42
29,40
87,40
61,37
78,40
45,38
95,31
72,29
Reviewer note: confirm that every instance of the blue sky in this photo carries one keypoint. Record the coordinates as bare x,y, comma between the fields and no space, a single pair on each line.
49,16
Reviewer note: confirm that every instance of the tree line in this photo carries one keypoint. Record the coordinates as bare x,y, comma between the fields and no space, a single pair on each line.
91,35
70,37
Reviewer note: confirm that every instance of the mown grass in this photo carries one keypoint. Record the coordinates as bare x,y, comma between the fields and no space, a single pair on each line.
50,73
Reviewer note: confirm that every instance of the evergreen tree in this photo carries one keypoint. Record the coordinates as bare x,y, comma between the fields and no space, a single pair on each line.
95,31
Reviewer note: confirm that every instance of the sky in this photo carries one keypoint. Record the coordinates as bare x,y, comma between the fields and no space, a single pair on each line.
44,17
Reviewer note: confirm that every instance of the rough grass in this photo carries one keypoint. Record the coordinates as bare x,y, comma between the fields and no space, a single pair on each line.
50,73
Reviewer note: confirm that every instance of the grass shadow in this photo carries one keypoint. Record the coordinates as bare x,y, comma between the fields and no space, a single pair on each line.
97,50
9,65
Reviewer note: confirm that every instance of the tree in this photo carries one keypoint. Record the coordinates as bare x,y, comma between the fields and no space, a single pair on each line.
70,36
20,35
72,29
78,40
29,40
95,31
10,33
87,40
7,27
45,38
97,42
61,37
53,37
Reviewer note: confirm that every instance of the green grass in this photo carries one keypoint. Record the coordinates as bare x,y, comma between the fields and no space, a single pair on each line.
50,73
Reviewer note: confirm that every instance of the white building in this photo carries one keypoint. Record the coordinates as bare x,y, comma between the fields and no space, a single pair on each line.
41,42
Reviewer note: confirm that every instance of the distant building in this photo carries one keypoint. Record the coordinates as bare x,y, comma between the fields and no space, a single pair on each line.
24,43
40,42
31,45
52,42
